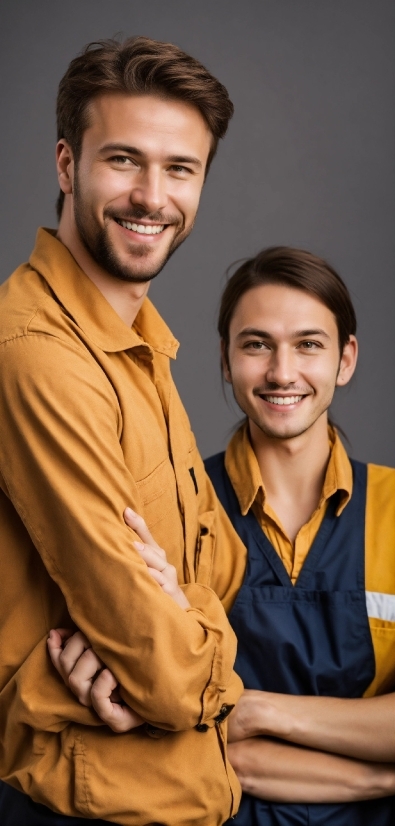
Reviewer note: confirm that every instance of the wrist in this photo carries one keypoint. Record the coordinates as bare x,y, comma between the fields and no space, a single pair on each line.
274,718
181,599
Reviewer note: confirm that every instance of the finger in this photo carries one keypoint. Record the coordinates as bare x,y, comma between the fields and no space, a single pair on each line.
56,639
118,717
151,556
139,526
81,678
73,648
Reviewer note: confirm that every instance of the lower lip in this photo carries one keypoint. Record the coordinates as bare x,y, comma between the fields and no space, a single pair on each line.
140,237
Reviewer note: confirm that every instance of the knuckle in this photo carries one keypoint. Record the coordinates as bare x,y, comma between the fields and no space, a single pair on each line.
95,692
74,683
117,727
91,658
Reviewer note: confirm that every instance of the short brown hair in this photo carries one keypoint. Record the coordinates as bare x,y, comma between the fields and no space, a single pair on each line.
139,66
293,268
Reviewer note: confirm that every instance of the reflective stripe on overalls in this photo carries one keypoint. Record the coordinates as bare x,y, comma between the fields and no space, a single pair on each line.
310,638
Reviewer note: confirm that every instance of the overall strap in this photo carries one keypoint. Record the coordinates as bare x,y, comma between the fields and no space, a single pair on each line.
247,527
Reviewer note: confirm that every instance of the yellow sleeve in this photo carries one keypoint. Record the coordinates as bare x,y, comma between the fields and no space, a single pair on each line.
65,474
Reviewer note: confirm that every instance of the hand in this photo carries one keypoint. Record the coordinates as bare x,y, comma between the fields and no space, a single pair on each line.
155,558
254,714
93,684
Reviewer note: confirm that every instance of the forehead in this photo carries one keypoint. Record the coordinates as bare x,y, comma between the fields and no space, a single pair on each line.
147,119
281,311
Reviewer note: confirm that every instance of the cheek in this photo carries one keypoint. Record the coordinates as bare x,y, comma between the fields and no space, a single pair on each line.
101,188
245,374
322,374
187,201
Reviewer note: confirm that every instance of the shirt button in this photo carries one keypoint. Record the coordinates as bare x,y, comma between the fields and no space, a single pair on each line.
224,711
201,727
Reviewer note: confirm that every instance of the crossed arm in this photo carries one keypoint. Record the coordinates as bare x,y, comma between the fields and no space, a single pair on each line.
326,749
283,747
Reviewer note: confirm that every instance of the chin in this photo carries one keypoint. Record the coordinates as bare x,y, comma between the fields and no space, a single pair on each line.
283,433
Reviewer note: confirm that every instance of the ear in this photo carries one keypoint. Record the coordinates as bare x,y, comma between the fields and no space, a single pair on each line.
65,166
348,362
225,363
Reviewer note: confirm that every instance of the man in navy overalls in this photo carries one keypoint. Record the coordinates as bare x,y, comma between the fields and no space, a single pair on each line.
310,616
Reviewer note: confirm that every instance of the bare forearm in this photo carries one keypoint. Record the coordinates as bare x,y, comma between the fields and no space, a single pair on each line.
363,728
290,774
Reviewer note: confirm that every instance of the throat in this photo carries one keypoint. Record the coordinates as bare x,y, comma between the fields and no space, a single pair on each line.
293,480
294,512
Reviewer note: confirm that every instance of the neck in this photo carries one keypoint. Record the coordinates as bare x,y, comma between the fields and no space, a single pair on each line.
125,297
293,472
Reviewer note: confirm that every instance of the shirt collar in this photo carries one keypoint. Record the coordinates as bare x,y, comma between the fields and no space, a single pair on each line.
244,473
90,309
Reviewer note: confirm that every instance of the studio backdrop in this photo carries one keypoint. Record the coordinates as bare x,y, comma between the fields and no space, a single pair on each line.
308,161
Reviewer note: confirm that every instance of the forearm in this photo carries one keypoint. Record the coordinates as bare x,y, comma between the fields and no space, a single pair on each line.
286,773
360,728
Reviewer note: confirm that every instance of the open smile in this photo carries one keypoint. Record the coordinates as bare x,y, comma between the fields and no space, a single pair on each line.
143,231
281,401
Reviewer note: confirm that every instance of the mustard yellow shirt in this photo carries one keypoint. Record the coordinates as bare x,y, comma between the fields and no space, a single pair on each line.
91,422
243,470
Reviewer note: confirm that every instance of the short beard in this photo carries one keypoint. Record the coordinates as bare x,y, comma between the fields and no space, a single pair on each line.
99,247
104,255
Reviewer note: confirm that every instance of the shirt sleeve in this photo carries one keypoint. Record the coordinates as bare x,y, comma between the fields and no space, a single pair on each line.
64,471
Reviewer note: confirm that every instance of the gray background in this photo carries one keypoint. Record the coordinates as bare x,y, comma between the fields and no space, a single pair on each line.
308,161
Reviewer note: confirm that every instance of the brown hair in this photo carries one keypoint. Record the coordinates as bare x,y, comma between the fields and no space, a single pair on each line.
294,268
138,66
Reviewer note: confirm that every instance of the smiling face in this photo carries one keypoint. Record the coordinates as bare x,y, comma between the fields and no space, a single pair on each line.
284,361
136,188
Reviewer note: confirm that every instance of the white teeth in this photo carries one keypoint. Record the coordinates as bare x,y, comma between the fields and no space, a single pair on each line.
143,229
283,399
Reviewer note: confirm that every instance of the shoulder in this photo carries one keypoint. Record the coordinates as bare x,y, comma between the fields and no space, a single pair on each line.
381,490
21,297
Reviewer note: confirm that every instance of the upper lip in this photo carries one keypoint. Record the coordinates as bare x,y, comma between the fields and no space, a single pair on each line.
141,221
144,223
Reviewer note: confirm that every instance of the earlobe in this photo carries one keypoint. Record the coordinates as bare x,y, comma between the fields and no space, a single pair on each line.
65,166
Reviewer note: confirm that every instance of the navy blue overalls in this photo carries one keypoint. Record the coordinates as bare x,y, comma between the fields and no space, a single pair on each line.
310,638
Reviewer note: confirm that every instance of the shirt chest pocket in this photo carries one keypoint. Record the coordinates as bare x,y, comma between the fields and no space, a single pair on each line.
158,497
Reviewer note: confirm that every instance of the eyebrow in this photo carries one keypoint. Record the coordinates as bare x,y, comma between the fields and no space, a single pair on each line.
253,331
133,150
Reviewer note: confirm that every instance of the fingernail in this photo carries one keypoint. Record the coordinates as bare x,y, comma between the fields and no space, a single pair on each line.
139,546
130,513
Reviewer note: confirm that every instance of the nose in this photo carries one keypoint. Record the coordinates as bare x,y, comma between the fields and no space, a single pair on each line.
149,190
282,369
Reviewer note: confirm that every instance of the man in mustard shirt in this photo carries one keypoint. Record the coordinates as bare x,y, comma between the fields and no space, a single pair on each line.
310,555
90,423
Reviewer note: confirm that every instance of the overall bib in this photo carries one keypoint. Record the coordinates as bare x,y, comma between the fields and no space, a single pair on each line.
311,638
